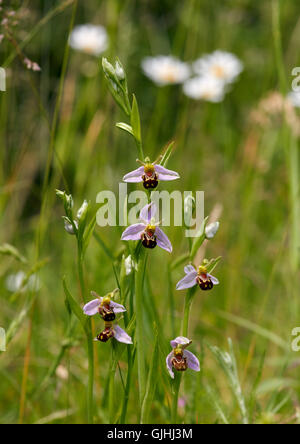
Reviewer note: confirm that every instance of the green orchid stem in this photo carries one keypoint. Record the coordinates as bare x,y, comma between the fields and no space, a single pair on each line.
90,345
140,150
90,388
176,388
130,359
140,339
186,313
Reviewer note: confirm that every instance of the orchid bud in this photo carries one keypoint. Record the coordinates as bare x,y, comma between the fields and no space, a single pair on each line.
119,71
82,210
68,225
211,230
108,69
66,198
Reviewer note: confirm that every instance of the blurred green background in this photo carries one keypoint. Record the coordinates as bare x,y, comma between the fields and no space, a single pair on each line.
242,152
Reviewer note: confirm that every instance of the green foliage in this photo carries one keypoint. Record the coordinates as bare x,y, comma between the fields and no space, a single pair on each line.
58,132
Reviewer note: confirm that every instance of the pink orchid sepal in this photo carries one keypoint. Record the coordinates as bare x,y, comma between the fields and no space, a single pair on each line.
147,230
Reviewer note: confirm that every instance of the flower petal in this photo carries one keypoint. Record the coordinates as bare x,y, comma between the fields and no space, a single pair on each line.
148,212
118,308
91,308
188,281
134,176
214,280
189,269
164,174
169,364
180,340
121,335
163,240
192,360
133,232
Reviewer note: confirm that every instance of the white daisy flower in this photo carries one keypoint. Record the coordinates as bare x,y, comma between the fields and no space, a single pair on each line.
165,70
14,282
205,88
294,98
220,65
90,39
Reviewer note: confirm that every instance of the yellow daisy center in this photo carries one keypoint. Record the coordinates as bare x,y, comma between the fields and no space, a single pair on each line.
169,75
218,71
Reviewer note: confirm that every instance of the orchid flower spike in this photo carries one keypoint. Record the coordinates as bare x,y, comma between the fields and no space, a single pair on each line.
104,306
197,277
181,359
150,173
147,231
113,331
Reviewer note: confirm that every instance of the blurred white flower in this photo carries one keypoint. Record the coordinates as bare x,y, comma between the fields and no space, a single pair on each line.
220,65
205,88
165,70
294,98
62,372
211,229
14,282
89,38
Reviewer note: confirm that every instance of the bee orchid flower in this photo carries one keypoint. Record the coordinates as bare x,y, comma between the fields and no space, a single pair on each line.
107,310
113,331
147,231
103,306
181,359
150,173
197,277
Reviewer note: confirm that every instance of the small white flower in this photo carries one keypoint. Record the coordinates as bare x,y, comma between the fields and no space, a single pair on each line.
294,98
220,65
211,229
165,70
205,88
15,281
89,38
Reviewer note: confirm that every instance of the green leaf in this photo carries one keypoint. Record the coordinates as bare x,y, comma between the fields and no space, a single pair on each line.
228,363
257,329
151,384
199,239
215,401
135,120
167,154
180,261
10,250
76,309
125,127
213,263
